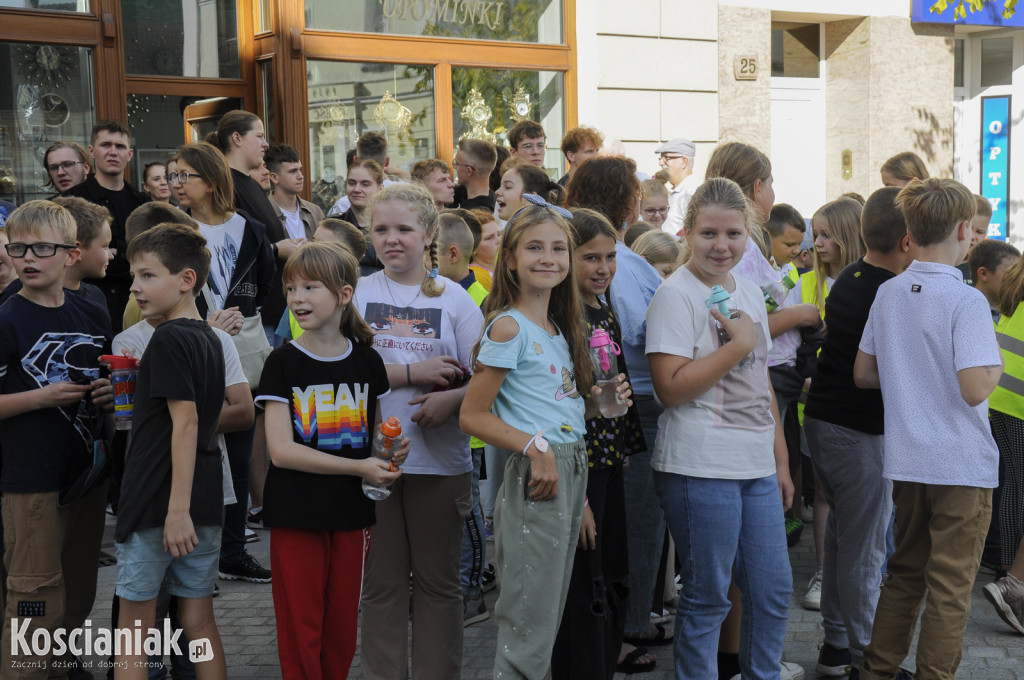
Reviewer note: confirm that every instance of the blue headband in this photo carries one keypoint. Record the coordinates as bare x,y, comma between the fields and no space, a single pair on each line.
536,200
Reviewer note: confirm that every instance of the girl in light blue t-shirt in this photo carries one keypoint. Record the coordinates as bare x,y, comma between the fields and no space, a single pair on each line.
533,368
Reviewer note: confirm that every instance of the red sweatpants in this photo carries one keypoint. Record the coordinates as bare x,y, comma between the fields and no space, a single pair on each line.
318,578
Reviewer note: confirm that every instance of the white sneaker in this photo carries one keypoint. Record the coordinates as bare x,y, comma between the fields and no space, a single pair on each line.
812,599
791,671
788,671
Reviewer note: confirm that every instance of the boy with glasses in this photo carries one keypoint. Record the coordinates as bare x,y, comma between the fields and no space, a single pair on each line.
51,407
528,142
676,158
66,164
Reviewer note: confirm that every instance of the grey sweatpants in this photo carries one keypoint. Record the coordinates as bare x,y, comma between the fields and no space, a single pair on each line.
534,544
849,465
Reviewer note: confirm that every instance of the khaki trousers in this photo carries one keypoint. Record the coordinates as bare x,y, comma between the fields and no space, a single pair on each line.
51,558
940,533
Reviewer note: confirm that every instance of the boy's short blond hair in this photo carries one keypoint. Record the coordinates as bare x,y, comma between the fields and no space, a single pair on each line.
89,217
348,235
933,207
32,217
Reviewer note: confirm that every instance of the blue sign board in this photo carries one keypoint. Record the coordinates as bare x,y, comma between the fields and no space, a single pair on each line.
995,161
989,15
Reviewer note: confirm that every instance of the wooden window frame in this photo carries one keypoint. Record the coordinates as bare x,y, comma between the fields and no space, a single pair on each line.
101,30
291,44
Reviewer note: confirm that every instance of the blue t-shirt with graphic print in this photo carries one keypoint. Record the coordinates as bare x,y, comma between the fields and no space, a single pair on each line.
539,391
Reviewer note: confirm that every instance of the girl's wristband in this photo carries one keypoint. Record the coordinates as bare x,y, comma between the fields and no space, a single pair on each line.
542,444
408,376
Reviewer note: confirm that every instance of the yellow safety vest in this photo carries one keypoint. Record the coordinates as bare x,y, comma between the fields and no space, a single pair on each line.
808,288
293,324
1008,396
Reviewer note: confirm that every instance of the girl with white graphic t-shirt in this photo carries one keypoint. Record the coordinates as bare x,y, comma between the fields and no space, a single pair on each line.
424,328
720,460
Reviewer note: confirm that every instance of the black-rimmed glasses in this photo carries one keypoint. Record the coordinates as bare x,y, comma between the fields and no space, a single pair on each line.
38,249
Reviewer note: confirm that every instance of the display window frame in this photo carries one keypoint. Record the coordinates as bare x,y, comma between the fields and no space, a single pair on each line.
291,44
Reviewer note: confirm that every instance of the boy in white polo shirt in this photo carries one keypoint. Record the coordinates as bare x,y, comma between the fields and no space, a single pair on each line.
930,346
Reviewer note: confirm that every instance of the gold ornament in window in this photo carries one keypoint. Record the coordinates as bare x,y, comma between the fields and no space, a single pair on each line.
392,114
477,114
520,106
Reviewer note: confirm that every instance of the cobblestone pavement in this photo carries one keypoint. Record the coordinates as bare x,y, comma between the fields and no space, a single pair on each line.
245,617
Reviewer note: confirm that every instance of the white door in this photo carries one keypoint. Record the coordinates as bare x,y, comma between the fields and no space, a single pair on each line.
798,123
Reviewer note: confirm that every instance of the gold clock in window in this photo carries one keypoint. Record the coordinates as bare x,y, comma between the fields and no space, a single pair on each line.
392,114
50,65
519,106
55,110
477,114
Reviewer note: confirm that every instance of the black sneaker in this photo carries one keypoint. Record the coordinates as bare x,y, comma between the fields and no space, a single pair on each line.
245,568
488,579
255,519
904,674
833,662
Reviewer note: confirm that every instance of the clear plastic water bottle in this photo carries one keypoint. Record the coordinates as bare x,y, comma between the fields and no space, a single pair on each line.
721,301
602,356
775,293
385,442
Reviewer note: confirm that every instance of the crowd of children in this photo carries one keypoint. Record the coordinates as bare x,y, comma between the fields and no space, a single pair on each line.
272,342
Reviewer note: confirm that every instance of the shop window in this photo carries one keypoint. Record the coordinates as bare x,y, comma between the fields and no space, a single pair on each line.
48,96
530,21
996,61
796,49
267,83
58,5
349,98
958,62
264,24
486,103
191,38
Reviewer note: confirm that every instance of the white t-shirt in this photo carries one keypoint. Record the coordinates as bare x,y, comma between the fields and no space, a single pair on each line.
728,432
293,223
343,204
678,199
410,327
136,339
224,242
924,327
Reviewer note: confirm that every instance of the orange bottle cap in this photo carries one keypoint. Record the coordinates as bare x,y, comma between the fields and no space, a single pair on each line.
392,427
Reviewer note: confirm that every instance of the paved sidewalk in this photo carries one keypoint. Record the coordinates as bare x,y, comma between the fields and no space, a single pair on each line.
245,617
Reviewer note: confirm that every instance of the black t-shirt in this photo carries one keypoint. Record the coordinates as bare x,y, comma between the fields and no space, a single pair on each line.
46,449
965,269
333,402
86,291
184,362
461,199
833,397
609,440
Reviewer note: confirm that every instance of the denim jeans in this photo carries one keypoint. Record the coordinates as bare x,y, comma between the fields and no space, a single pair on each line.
645,522
474,550
720,525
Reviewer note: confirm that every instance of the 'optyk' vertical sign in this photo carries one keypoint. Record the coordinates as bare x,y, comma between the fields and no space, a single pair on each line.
995,161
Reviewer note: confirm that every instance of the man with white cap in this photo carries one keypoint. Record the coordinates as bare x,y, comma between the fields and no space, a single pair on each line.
676,157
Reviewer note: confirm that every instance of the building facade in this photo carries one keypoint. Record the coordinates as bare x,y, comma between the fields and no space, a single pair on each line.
829,95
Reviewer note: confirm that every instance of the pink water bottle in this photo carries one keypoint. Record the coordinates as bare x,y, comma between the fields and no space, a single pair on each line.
603,351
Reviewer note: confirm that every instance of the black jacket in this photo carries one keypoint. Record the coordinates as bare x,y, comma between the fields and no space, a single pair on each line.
254,273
